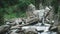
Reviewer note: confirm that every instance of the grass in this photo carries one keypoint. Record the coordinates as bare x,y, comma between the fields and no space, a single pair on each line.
15,15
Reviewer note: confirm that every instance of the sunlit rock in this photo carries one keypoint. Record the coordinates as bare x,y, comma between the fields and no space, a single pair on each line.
31,7
41,13
18,21
30,10
41,6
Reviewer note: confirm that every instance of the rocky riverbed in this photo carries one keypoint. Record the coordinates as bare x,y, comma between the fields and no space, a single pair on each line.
37,28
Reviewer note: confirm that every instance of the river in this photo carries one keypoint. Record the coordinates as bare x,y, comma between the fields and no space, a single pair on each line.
39,27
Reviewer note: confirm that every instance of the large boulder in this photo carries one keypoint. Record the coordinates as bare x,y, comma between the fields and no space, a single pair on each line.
30,10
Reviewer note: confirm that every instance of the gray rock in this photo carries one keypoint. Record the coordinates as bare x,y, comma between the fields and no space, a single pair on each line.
31,31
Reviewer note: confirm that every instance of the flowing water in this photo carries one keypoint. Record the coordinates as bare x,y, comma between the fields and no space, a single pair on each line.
39,27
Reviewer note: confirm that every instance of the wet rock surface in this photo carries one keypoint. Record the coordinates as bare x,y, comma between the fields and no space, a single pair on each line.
36,28
31,29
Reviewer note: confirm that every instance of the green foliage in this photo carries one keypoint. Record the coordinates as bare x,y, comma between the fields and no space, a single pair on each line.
24,3
1,16
55,5
16,8
6,3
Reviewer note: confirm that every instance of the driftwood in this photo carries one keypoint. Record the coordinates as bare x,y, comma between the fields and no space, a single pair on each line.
27,22
30,20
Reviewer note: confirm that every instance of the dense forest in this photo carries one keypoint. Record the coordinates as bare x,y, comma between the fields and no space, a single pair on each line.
17,8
